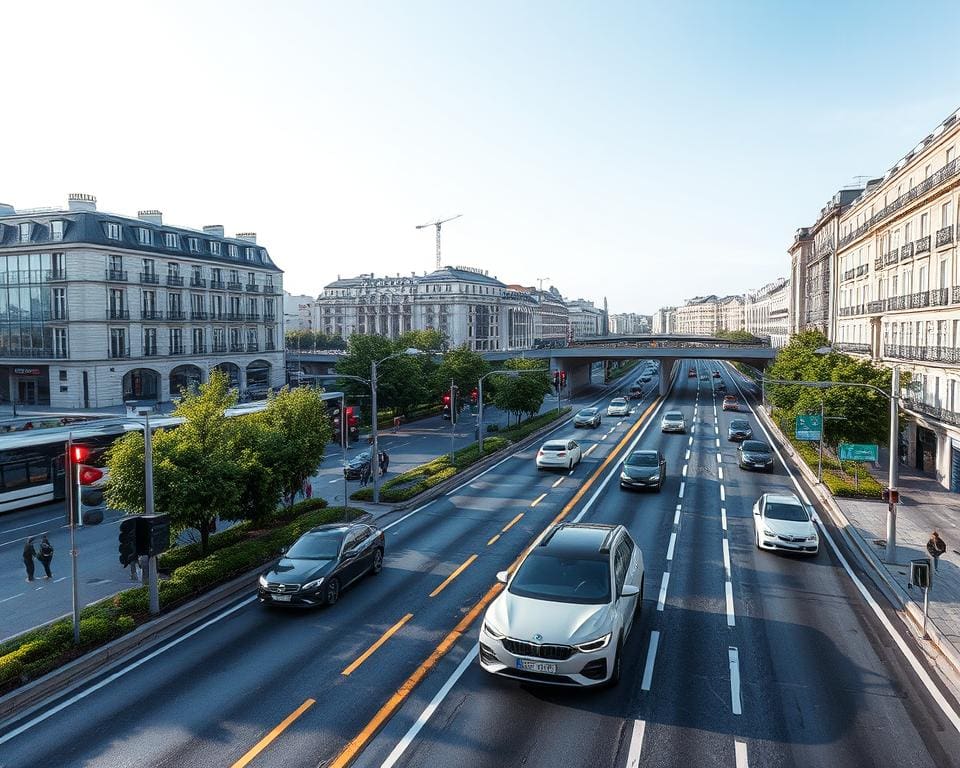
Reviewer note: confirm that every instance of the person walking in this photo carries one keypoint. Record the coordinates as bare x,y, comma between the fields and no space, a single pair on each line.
46,556
28,554
386,462
365,472
936,547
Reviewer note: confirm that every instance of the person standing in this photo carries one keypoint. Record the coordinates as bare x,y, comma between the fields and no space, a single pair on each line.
28,554
365,472
386,462
936,547
46,556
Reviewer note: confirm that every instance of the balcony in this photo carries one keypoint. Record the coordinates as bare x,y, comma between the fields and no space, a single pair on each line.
269,317
919,300
118,314
175,280
856,349
152,278
176,314
253,346
198,282
199,315
218,349
35,353
862,270
891,257
177,349
270,288
939,297
875,307
906,252
253,288
55,275
923,244
235,315
199,349
216,285
896,302
911,352
116,276
150,351
118,353
218,315
151,314
234,287
877,263
236,346
944,236
252,317
934,411
956,294
849,274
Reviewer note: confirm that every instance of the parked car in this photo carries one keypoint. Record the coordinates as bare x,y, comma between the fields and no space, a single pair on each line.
321,564
754,454
739,429
563,454
644,469
781,522
353,468
730,403
565,614
673,421
618,407
635,393
587,417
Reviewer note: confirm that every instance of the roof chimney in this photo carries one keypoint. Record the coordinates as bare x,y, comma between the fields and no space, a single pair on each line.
214,229
151,216
77,201
250,237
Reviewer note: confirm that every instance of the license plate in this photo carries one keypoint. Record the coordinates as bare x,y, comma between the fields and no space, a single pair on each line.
537,666
282,598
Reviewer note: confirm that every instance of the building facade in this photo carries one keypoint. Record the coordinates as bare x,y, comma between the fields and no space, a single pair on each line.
730,314
297,312
766,312
629,323
898,291
97,309
665,320
586,320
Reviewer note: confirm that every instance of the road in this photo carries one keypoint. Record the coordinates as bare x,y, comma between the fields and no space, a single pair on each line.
788,665
25,605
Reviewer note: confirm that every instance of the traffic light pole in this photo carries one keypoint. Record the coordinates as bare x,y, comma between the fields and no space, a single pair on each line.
152,586
453,421
69,492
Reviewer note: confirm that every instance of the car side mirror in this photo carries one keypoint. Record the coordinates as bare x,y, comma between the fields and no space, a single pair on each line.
283,550
629,590
349,554
503,577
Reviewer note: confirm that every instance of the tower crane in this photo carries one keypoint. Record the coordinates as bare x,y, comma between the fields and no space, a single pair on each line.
437,224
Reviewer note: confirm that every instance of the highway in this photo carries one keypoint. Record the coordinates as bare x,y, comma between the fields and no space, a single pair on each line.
739,657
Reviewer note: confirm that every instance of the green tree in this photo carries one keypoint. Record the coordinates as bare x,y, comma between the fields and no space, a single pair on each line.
309,340
744,336
402,380
464,367
522,394
429,341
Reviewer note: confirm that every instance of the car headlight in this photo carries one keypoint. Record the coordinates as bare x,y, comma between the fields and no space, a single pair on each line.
263,581
812,538
492,631
624,476
768,533
655,478
594,645
315,584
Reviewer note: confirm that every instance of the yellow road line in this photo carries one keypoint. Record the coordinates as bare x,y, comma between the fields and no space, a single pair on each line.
537,500
354,747
269,738
383,638
452,576
510,525
493,539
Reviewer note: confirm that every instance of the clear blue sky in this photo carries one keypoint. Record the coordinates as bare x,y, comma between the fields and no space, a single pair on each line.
646,152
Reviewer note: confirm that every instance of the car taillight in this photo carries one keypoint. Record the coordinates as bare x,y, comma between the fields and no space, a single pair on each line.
562,453
540,452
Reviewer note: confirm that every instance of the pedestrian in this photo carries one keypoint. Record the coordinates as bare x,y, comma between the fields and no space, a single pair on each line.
365,472
46,556
386,462
936,547
28,554
308,488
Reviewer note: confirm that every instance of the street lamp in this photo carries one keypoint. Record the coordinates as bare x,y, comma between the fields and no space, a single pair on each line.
152,584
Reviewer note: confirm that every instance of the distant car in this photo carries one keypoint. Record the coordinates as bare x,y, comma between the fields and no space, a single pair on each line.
716,374
691,373
321,564
644,469
587,417
720,386
635,393
353,469
782,522
645,379
673,421
559,454
754,454
618,407
730,403
739,429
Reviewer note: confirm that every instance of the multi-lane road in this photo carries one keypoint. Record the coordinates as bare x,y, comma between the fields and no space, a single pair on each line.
739,657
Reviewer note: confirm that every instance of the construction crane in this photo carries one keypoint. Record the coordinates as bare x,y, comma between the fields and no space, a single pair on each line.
437,224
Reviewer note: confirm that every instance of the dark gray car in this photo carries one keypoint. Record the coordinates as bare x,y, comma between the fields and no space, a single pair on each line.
644,469
755,454
739,429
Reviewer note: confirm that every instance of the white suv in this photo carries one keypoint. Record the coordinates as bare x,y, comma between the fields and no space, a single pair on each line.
567,610
618,407
673,421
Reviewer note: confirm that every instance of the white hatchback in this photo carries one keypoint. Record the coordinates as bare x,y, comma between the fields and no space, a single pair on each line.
782,522
618,407
562,454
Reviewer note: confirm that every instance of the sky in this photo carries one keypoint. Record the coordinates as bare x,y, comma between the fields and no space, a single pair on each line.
645,152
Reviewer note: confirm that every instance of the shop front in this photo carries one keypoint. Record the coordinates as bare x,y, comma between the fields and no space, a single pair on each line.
25,384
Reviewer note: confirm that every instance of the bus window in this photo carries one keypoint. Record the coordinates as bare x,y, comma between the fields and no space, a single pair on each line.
14,475
39,471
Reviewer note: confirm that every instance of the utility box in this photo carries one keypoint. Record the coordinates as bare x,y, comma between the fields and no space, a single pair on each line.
153,534
921,574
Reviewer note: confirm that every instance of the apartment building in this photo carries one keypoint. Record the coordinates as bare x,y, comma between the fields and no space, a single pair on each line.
297,312
586,319
665,320
97,309
629,323
766,313
898,292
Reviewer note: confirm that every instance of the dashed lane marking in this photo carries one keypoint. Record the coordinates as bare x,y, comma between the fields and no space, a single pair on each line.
651,658
636,744
373,648
690,440
723,493
557,482
684,472
663,591
734,657
726,557
676,517
537,500
687,457
493,540
590,450
682,486
731,619
267,740
460,569
723,517
720,472
512,523
740,753
673,543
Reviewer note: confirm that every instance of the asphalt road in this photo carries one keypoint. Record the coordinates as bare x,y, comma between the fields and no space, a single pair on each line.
795,669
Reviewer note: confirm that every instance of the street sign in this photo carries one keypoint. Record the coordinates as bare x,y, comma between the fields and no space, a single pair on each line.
858,452
809,427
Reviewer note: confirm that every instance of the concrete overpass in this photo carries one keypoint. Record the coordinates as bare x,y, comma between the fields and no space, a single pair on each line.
578,356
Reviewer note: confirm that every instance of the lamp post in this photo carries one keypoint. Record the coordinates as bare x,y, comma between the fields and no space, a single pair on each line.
152,583
73,513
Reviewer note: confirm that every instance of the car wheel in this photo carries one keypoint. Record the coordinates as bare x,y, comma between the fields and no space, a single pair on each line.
757,533
614,678
377,562
660,486
332,593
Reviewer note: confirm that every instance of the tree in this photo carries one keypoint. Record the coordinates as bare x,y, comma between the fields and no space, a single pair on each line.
429,340
464,367
744,336
524,393
402,380
309,340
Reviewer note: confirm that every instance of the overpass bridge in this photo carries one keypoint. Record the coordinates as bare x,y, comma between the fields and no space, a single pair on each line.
577,357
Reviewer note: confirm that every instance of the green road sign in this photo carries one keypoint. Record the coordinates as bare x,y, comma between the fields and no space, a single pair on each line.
809,427
858,452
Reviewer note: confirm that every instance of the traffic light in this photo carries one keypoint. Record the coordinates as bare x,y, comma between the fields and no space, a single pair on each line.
91,480
556,380
563,379
128,541
474,396
353,426
446,406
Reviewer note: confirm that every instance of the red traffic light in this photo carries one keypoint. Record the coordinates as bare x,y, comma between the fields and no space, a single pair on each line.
89,475
446,399
563,378
474,395
80,453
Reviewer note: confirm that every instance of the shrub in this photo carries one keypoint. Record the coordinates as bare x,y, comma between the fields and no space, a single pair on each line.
133,602
11,668
526,428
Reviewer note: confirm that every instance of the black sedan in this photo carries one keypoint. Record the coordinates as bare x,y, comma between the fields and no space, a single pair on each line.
739,429
755,454
353,469
644,469
321,564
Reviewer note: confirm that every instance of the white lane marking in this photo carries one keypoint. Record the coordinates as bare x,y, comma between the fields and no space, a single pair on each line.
428,711
718,442
716,429
920,672
676,517
19,594
720,473
651,657
663,592
684,473
539,498
723,517
673,543
121,672
734,656
731,618
690,440
726,557
723,493
719,458
590,450
30,525
740,753
604,437
557,482
570,473
687,457
636,744
682,486
619,423
693,428
338,480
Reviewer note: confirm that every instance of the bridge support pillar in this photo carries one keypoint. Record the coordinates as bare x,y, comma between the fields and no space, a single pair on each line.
668,367
578,374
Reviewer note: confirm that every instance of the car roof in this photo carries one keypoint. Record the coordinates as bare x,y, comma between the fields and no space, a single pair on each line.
783,498
646,452
618,400
738,421
584,540
591,409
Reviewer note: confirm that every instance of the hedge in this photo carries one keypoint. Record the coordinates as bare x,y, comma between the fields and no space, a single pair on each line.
838,481
528,427
37,652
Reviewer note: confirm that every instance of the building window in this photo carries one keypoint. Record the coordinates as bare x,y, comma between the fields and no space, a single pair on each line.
946,214
171,240
199,346
176,341
214,248
59,304
144,236
193,243
57,269
149,304
149,342
60,345
268,334
25,232
113,230
949,155
924,224
118,342
250,252
56,230
232,251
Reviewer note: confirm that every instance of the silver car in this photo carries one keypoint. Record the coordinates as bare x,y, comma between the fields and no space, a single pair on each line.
568,608
587,417
673,421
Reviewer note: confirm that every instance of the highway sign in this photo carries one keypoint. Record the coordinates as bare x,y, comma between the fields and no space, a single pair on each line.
809,427
858,452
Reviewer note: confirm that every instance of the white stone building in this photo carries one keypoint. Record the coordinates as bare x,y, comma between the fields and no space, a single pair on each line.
629,324
297,312
586,319
665,320
766,312
97,309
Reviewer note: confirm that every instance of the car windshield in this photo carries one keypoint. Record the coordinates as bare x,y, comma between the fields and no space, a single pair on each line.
563,578
588,412
643,459
793,513
674,416
739,424
755,446
554,447
316,546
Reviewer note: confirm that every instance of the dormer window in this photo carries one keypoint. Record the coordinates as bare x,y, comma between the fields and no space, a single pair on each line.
250,252
113,230
232,251
56,230
193,243
144,236
214,248
171,240
25,231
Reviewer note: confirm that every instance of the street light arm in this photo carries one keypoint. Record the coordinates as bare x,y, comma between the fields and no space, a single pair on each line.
827,385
